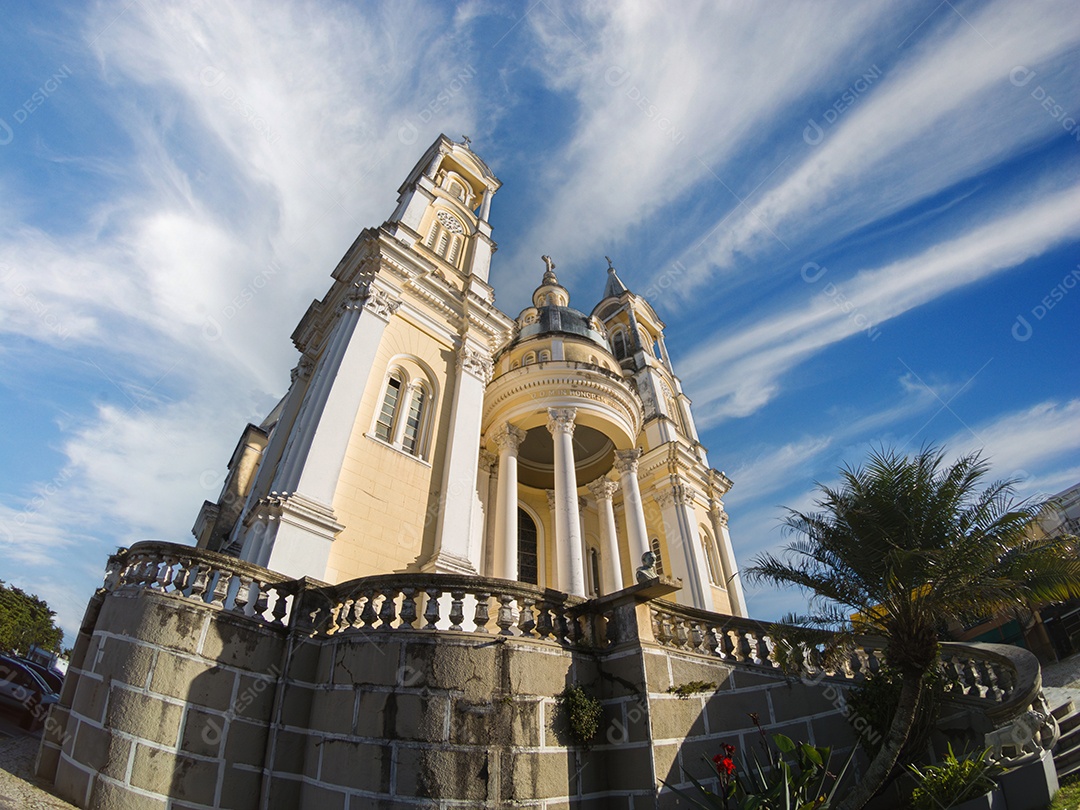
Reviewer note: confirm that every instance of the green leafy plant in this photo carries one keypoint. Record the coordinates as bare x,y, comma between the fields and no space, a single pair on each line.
793,776
582,714
685,690
875,701
952,782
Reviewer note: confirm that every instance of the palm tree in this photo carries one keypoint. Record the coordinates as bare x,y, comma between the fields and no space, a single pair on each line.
905,543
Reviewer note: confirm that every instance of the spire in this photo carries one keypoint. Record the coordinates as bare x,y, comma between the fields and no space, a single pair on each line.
614,287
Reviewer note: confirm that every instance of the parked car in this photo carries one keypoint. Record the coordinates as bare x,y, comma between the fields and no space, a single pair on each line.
53,679
25,692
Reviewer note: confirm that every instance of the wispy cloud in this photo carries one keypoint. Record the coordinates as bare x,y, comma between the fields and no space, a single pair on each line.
755,358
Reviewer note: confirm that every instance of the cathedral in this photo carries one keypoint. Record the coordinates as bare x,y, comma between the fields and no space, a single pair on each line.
425,430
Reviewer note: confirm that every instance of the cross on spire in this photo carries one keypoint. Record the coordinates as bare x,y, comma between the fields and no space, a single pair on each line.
610,266
465,139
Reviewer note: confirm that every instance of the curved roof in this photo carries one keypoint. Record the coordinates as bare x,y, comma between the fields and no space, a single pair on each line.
561,321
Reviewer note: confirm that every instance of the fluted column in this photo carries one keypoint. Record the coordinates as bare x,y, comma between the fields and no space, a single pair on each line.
567,516
560,574
626,462
732,581
602,489
508,438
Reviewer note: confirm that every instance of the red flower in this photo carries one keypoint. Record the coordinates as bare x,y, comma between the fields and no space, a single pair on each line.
725,766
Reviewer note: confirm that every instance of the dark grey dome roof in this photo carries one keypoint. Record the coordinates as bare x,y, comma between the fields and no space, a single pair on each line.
560,320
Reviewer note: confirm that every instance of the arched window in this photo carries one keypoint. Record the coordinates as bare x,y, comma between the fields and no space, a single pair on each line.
400,421
712,558
446,236
619,344
594,570
528,358
659,560
544,356
527,562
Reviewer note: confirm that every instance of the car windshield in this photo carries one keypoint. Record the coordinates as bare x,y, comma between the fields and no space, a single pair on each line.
10,670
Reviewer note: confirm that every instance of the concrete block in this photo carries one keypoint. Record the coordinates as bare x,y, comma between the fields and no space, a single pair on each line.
241,790
245,743
71,783
284,794
304,663
656,671
730,710
179,777
255,698
439,774
688,670
296,705
143,716
542,775
202,732
332,711
312,796
673,718
465,668
98,749
90,698
290,752
535,673
359,660
108,796
623,677
235,642
203,684
357,765
165,621
125,661
793,700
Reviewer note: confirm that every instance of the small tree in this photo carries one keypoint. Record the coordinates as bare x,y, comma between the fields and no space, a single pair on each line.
905,543
26,620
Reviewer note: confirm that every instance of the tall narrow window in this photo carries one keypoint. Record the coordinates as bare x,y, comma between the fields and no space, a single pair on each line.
384,427
712,557
620,345
659,560
527,535
411,436
594,570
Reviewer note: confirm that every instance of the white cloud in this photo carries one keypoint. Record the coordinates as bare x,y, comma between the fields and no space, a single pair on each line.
755,358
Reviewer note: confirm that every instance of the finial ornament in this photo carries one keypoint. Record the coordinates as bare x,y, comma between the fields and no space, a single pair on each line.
549,273
466,140
610,266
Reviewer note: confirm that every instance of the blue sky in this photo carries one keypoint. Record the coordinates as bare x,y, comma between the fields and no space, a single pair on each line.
861,224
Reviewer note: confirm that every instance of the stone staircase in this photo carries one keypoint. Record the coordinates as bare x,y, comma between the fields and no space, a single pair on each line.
1067,750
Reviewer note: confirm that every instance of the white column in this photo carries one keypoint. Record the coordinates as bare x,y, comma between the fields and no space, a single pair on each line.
567,520
684,546
733,582
507,438
602,489
485,206
457,541
486,484
560,572
626,462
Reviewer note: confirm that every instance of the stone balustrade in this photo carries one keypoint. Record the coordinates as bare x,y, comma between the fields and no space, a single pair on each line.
430,602
203,576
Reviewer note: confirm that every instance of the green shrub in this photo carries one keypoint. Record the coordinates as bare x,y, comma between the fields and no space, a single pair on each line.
952,782
582,714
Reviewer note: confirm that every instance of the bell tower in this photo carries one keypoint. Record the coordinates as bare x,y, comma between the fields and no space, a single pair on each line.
369,464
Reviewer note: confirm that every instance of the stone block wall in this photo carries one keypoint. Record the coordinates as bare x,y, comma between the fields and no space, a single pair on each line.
177,703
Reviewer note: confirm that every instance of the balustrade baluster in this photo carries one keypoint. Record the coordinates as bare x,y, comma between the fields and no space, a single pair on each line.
431,610
505,616
243,594
199,581
220,588
526,620
544,625
388,610
408,607
369,615
457,612
682,637
480,617
281,606
164,575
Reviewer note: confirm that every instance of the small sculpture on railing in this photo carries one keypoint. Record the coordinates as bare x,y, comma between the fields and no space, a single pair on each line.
647,572
1022,735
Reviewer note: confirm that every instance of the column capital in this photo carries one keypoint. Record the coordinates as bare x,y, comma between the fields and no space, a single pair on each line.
474,362
488,461
365,296
561,420
626,461
603,488
720,516
508,437
303,369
